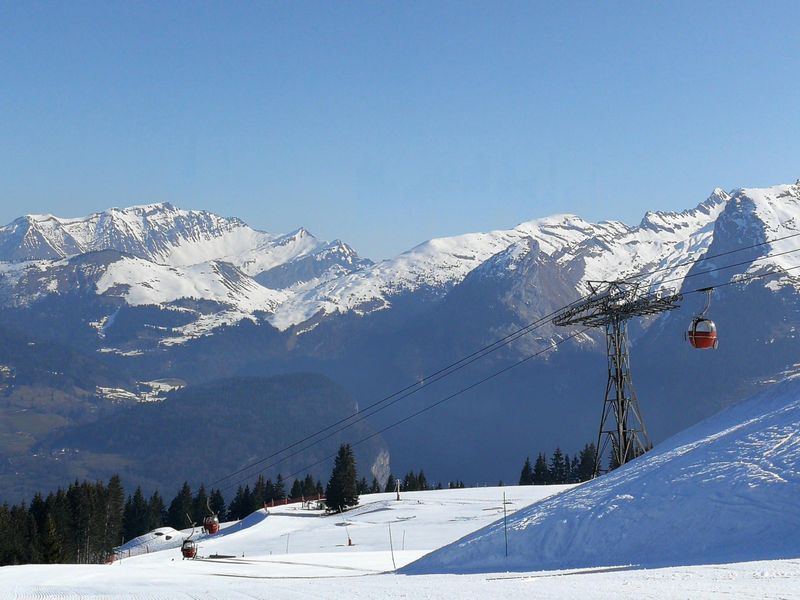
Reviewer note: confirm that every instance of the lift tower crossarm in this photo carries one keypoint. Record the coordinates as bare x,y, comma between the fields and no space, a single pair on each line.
610,305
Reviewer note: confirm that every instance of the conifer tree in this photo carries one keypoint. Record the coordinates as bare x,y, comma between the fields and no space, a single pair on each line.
586,459
342,490
114,514
260,495
155,511
180,506
135,516
309,487
422,481
236,509
526,476
558,468
280,488
52,544
199,508
217,502
269,492
573,470
410,482
391,484
375,488
297,490
541,474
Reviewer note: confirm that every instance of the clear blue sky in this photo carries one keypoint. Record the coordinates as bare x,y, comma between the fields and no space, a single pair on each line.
387,123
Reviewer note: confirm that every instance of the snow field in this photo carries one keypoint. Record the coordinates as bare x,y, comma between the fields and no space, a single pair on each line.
726,490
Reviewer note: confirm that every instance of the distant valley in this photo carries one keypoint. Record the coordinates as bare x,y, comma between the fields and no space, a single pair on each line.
94,308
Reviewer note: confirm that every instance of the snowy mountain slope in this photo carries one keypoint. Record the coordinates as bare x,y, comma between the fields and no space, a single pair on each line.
774,213
160,233
141,282
662,243
309,270
432,268
299,279
724,490
209,295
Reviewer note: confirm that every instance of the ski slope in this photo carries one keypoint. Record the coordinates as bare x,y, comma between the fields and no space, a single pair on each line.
725,490
711,513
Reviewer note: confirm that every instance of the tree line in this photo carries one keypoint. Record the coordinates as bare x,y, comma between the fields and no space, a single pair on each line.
86,521
560,468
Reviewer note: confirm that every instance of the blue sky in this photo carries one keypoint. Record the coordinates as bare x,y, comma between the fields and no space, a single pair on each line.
388,123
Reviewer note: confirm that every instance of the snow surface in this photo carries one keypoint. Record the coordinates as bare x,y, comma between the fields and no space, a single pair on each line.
710,513
725,490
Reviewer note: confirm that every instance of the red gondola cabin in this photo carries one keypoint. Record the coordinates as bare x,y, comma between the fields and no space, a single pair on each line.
189,549
211,524
702,334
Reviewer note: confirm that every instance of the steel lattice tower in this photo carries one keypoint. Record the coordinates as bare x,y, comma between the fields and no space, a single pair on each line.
610,305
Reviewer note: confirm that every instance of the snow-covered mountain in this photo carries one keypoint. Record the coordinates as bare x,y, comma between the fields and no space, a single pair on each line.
226,300
162,234
166,255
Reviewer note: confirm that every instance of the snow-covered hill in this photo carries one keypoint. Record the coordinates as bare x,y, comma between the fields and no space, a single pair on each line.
725,490
676,523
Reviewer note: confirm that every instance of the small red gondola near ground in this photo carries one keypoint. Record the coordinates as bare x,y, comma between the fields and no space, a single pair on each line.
211,521
702,332
189,548
211,524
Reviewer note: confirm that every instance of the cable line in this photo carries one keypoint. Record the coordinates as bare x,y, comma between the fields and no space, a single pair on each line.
448,370
434,405
508,368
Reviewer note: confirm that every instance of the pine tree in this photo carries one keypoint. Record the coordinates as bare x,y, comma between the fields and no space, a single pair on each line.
180,506
269,492
410,482
217,502
155,512
541,475
342,490
362,486
52,544
558,468
259,496
309,487
135,516
199,508
280,488
573,470
391,484
297,490
587,458
114,514
236,509
422,481
526,476
375,488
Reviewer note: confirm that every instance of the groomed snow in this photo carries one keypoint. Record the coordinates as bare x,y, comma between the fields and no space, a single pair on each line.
725,490
711,513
